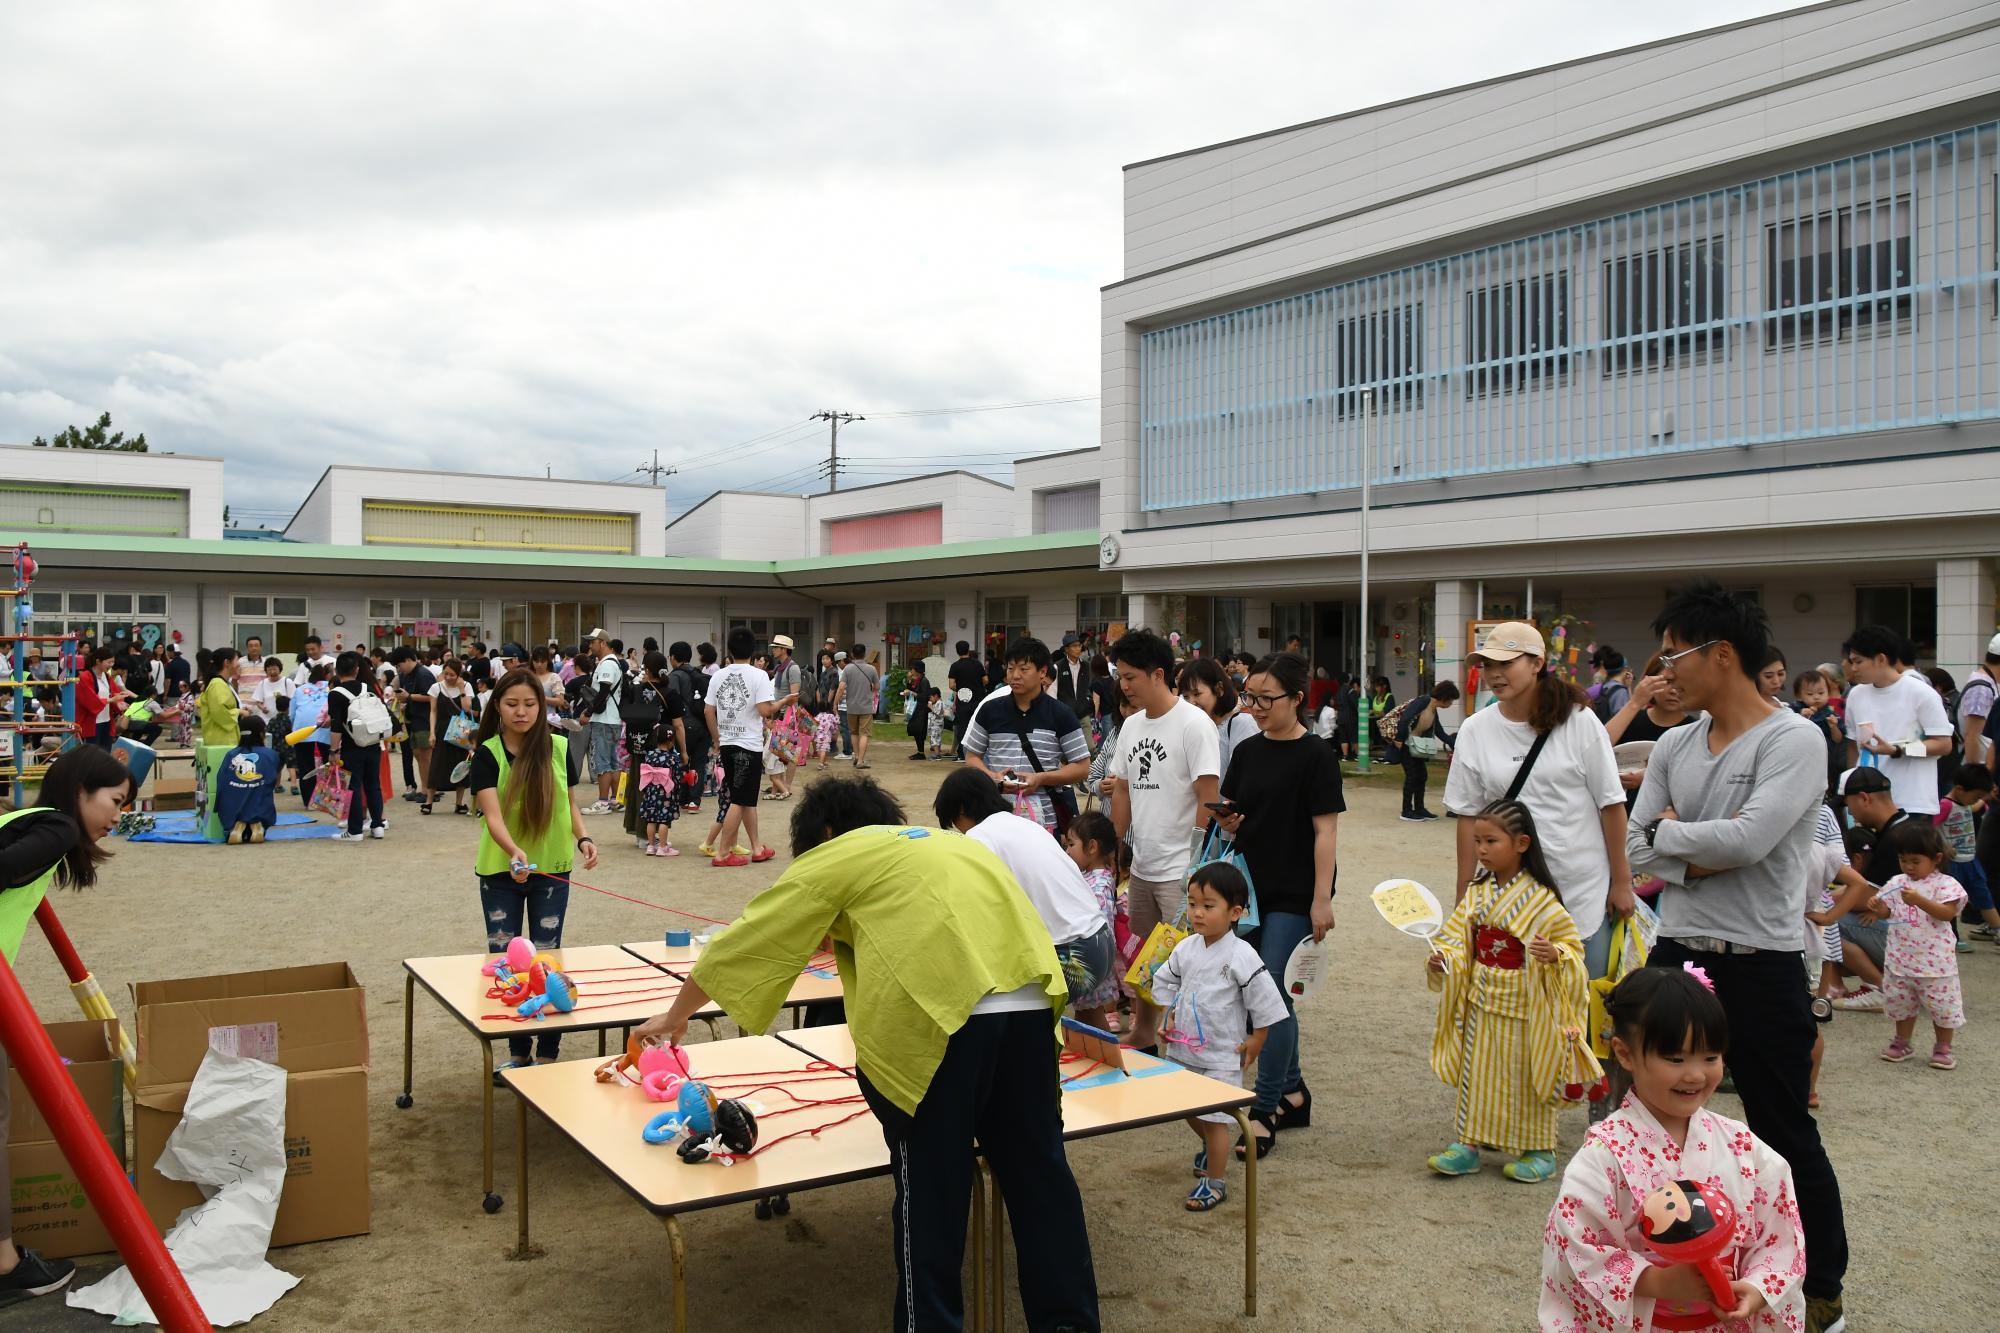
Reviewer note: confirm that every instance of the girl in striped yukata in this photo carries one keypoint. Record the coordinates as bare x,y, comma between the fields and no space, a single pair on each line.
1510,965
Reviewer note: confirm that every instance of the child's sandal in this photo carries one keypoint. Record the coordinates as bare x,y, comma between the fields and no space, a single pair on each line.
424,809
1201,1162
1207,1192
1942,1058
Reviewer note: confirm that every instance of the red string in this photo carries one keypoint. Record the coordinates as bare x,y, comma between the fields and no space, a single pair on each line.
641,902
660,992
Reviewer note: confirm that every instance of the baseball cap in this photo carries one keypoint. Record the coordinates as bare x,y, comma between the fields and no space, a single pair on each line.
1070,637
513,650
1509,640
1993,646
1862,781
782,641
596,634
840,657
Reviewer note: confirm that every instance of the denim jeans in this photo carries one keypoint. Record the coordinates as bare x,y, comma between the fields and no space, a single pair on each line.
846,736
1771,1031
535,909
1278,1063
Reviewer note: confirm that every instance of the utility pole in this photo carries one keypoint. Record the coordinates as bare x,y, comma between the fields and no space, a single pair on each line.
835,420
1367,645
657,468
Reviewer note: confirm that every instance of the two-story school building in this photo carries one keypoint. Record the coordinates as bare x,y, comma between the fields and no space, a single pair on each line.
1723,303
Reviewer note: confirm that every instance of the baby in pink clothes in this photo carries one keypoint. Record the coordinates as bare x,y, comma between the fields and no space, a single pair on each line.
1920,964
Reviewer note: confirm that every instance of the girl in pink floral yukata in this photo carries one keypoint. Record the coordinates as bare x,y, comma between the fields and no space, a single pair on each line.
1598,1274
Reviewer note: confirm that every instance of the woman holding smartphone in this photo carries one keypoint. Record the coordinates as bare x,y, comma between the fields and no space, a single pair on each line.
1284,802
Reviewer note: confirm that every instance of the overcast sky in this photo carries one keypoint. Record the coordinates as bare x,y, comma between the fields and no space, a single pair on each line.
507,237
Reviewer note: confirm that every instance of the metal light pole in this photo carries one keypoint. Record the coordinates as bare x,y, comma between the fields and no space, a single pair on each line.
1367,676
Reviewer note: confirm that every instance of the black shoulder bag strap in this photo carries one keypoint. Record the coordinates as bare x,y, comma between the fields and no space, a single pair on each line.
1061,799
1527,766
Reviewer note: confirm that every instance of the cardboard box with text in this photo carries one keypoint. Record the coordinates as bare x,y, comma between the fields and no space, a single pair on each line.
50,1210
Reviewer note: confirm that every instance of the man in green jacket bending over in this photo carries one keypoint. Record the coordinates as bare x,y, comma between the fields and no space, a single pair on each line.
954,997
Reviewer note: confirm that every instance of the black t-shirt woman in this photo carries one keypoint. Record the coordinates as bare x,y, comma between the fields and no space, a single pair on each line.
1283,786
54,843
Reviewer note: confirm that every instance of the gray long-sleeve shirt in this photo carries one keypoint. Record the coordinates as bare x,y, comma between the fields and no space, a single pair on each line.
1748,814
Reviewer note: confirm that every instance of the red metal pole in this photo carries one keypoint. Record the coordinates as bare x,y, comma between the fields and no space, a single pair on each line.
83,1146
66,954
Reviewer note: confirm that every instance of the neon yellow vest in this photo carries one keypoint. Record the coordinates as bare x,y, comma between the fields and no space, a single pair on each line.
550,851
17,906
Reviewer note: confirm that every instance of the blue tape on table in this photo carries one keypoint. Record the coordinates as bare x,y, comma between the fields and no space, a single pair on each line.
823,973
1104,1077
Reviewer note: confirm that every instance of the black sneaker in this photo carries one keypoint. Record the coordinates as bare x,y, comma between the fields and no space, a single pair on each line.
1424,816
34,1276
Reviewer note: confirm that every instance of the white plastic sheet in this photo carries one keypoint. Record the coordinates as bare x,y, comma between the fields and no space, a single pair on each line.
231,1144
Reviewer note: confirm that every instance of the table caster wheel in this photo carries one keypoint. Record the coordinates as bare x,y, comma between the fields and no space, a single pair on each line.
763,1210
491,1203
405,1102
782,1205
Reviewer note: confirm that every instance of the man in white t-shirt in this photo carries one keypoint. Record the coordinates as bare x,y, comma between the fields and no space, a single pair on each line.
1895,720
739,699
1165,768
313,656
607,679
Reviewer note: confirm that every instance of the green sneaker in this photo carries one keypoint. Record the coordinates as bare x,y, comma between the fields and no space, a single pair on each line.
1530,1168
1825,1315
1457,1160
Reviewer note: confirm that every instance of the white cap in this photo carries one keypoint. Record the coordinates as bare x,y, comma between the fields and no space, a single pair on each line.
1993,647
596,634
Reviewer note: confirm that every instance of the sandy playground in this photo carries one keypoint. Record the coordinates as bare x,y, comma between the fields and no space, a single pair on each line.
1355,1232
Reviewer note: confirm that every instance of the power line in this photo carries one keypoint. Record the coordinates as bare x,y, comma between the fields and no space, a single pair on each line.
834,420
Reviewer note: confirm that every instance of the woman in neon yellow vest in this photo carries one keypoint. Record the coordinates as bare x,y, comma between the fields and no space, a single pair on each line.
55,841
530,830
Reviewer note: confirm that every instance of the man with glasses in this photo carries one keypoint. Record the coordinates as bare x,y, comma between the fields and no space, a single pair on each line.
1895,720
1726,818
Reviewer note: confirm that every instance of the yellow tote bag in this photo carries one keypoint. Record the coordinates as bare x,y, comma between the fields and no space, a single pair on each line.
1153,954
1628,951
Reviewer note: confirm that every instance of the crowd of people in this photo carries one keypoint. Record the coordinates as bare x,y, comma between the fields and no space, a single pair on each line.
1799,843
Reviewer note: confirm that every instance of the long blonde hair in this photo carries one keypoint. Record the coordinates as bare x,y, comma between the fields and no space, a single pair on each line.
531,782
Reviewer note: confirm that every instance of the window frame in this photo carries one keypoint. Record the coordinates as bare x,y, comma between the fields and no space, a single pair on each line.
1373,331
1507,370
1629,346
1845,311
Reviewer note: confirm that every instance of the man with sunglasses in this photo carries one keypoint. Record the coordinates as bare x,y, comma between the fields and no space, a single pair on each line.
1726,818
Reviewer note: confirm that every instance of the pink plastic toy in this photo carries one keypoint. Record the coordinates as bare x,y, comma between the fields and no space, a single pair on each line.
662,1071
520,956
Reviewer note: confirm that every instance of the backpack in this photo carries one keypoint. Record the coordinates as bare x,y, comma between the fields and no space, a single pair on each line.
642,710
368,721
1610,700
683,682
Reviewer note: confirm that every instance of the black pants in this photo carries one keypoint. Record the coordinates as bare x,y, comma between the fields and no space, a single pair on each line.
698,753
1771,1034
997,1084
307,756
410,782
364,769
961,722
1416,776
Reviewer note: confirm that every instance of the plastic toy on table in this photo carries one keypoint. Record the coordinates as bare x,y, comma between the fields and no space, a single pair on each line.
558,993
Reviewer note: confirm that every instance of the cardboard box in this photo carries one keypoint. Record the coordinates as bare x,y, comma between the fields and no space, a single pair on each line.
50,1211
311,1021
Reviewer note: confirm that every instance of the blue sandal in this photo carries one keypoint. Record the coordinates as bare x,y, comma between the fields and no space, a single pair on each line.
1457,1160
1207,1192
1201,1162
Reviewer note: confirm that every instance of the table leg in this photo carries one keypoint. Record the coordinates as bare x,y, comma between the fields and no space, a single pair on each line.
600,1040
404,1102
979,1259
677,1252
491,1203
521,1178
1249,1218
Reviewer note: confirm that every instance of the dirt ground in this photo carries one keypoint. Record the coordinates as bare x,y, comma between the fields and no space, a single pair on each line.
1354,1231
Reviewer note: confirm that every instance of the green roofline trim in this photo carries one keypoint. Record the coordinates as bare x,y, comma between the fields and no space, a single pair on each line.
283,553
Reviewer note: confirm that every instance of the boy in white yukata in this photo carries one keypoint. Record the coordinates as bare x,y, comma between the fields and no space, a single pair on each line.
1220,1002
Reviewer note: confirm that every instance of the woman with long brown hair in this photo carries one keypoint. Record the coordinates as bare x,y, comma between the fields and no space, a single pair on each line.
1540,744
56,842
530,830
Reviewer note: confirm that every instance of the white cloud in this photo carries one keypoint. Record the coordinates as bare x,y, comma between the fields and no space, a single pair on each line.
508,236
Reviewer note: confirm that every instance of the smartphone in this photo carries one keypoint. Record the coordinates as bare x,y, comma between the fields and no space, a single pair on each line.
1221,807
